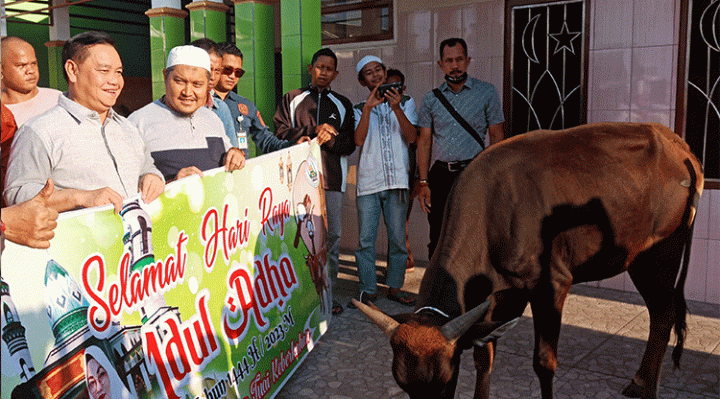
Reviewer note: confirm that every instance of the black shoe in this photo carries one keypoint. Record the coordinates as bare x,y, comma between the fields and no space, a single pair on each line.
365,298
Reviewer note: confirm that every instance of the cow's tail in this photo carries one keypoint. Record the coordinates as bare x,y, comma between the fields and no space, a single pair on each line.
686,233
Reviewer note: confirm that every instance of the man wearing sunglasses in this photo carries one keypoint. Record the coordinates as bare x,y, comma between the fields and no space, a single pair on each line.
245,114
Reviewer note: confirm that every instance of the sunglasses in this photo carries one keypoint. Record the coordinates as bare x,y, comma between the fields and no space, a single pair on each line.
228,70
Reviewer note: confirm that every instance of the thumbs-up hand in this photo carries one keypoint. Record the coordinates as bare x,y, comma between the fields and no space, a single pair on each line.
32,222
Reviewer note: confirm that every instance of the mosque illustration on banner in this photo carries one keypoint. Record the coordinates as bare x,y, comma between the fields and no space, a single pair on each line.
120,352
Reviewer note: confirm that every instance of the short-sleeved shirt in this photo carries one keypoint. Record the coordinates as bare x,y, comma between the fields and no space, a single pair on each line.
384,163
178,141
478,103
73,146
43,101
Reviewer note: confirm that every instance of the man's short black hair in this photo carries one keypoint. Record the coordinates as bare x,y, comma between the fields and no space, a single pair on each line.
208,45
452,42
397,73
230,48
324,52
76,48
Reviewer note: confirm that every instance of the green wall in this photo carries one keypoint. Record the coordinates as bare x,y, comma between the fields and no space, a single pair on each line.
36,35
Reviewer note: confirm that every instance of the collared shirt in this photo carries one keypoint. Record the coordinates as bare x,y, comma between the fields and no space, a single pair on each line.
223,112
73,146
247,119
383,163
477,101
177,141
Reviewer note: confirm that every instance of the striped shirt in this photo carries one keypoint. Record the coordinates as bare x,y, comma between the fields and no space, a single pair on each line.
477,101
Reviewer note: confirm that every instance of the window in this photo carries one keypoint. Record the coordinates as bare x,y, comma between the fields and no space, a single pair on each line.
698,103
545,88
352,21
34,11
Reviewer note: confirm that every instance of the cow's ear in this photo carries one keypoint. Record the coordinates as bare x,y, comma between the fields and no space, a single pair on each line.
496,330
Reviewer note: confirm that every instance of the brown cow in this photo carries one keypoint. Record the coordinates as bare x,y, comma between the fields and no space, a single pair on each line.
533,215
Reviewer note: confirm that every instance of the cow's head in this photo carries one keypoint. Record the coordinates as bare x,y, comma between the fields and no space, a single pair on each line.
426,355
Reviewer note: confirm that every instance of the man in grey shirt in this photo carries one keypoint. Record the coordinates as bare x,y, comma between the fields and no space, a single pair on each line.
479,104
94,155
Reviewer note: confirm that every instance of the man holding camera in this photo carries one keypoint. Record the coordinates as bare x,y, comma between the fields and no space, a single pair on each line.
385,125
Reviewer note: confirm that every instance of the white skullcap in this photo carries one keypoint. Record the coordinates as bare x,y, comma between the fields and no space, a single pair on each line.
188,55
366,60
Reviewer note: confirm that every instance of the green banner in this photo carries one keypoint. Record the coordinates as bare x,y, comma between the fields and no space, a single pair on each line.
218,289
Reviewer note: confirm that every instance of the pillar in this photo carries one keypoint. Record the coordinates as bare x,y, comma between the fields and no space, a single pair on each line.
167,30
255,37
59,33
207,20
56,78
301,38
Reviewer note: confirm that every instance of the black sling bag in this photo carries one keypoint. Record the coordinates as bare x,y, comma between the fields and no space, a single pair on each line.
458,118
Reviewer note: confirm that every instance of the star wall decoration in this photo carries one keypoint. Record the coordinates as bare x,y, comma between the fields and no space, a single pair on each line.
565,39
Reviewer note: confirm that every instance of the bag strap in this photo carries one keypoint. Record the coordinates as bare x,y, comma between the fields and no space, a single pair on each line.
458,117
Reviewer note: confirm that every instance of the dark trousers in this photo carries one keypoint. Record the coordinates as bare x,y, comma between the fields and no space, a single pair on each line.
441,181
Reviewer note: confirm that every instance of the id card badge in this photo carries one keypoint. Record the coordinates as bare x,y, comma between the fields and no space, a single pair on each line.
242,140
242,135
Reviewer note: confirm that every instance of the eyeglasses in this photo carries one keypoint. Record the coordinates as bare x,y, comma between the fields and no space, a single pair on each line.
228,70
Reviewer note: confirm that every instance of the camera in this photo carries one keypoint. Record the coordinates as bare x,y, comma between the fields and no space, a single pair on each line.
382,89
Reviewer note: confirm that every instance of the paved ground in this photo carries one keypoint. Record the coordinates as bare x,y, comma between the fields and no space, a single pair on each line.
601,342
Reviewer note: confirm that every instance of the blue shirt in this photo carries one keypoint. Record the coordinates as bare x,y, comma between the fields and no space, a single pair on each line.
384,162
477,101
246,118
223,112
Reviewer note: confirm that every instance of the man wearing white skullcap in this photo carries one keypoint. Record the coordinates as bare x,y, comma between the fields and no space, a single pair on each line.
184,136
93,155
384,127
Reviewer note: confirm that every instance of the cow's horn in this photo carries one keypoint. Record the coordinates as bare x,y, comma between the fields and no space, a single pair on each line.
455,328
387,324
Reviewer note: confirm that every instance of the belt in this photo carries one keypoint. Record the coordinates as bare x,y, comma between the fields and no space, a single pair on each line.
455,166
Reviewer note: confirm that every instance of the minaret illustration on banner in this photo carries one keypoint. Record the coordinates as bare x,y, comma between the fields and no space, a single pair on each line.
13,333
138,243
66,305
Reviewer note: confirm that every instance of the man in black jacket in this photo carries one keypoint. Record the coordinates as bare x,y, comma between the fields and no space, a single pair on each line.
316,111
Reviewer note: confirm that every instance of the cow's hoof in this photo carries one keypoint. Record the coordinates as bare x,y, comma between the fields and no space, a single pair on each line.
633,390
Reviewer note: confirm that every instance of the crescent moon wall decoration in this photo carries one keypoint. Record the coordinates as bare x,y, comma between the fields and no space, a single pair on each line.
528,39
710,25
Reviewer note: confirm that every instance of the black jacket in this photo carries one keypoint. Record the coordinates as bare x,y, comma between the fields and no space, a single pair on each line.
301,110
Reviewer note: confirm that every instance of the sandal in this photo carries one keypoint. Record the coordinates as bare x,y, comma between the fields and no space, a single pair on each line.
337,308
402,298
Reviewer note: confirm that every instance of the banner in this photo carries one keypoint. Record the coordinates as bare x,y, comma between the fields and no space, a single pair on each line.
218,289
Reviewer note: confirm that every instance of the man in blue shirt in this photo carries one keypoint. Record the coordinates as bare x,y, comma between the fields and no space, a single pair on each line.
245,114
479,104
217,105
